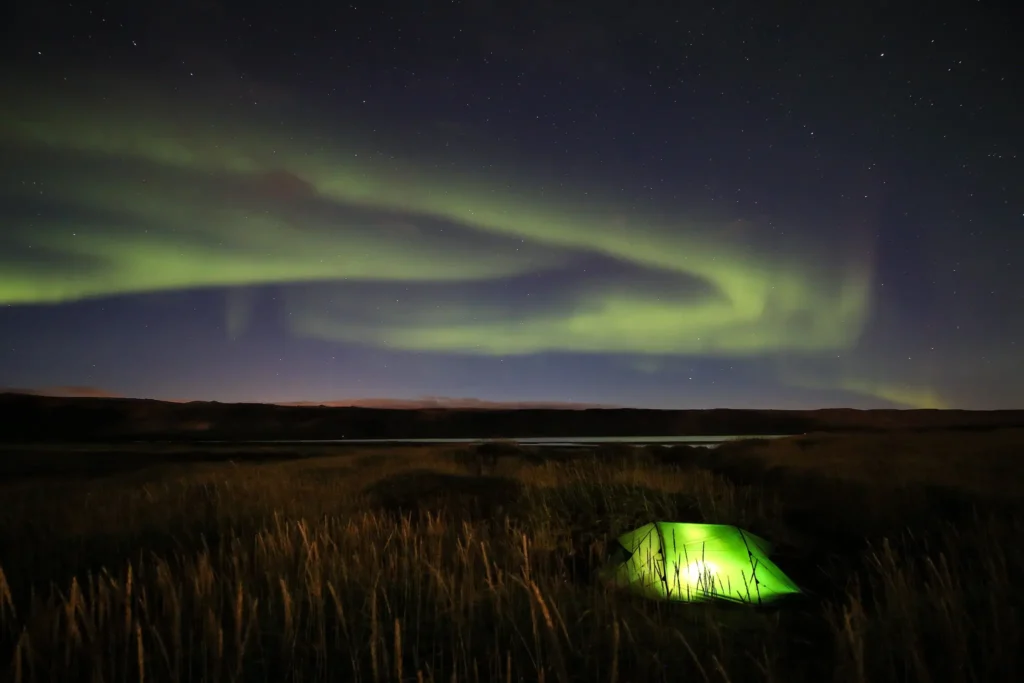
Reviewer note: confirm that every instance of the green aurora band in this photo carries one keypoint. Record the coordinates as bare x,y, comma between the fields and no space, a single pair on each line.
144,179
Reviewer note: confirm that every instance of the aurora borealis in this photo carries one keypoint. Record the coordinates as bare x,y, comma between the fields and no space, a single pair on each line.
401,223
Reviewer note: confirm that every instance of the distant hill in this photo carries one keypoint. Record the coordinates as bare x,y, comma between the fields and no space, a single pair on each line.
31,418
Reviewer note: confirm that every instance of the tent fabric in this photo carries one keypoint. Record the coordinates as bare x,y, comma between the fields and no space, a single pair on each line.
684,562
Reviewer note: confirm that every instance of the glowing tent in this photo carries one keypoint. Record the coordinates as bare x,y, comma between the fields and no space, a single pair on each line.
697,562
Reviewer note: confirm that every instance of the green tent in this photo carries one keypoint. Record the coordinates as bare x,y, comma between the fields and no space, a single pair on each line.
696,562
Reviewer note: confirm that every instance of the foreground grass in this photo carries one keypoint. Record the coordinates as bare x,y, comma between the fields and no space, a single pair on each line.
439,564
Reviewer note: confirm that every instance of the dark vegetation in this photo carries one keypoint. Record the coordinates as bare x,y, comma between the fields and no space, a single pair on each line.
28,418
222,562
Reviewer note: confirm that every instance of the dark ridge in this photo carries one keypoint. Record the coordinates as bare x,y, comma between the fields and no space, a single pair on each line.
31,418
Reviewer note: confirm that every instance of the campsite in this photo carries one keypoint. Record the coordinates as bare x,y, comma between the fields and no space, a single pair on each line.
897,557
511,342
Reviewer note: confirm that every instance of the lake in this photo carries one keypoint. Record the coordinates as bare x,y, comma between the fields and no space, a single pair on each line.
704,440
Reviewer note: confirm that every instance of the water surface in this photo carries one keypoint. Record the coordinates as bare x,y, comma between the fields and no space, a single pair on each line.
702,440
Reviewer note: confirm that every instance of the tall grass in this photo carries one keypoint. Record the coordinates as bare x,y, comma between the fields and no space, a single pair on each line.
294,572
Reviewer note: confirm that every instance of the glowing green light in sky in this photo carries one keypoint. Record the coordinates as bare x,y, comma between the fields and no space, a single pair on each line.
172,197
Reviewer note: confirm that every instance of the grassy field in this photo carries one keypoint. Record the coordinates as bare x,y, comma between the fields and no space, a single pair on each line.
163,563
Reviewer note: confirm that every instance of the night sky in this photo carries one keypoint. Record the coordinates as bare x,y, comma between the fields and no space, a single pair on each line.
723,205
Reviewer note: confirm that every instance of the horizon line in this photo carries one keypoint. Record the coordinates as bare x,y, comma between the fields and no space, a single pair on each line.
428,402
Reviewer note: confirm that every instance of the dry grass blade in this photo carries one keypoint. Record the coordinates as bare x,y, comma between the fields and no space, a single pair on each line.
319,569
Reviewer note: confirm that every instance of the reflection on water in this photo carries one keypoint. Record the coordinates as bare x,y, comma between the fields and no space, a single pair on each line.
708,440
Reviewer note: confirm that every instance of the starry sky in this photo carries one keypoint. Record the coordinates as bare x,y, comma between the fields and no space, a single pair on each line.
720,205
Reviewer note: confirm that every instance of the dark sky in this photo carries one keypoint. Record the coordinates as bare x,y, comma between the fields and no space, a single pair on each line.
736,204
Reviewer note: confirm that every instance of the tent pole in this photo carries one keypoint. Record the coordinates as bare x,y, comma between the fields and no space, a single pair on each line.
664,560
